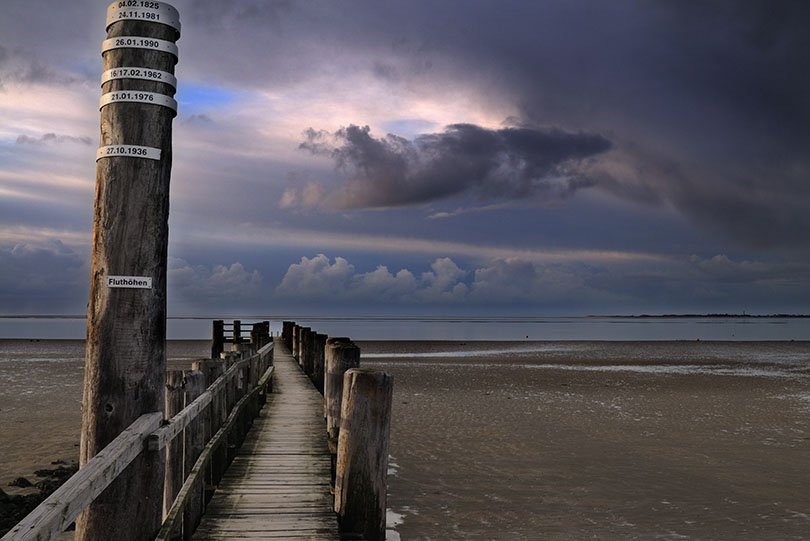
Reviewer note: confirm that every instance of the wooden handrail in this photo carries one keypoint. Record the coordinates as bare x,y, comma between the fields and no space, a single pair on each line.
176,424
148,431
176,511
53,515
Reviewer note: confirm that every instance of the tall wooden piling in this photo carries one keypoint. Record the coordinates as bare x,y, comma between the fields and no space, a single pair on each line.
304,348
318,350
126,323
217,338
286,333
341,355
295,337
362,459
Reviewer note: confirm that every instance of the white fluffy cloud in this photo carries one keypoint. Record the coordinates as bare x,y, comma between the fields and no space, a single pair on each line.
220,282
500,281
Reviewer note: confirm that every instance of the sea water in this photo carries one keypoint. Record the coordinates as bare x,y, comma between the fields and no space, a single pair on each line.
464,328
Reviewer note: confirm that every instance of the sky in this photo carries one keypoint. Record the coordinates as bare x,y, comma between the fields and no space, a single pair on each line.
433,158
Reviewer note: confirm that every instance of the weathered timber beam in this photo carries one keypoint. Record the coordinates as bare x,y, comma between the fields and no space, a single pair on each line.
62,507
176,424
176,511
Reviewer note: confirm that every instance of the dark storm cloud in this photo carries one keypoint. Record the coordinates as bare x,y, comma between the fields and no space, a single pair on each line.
19,66
508,163
37,277
716,89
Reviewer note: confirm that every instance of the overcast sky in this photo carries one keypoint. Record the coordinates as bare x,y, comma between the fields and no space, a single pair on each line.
433,157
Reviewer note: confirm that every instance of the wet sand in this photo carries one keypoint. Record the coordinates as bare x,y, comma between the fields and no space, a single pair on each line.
41,399
496,449
561,441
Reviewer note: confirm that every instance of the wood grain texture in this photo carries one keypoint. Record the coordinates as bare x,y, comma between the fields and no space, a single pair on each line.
60,509
278,485
174,474
362,453
126,328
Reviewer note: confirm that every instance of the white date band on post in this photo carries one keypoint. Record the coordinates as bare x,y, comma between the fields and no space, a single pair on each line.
143,10
128,151
147,74
137,96
139,42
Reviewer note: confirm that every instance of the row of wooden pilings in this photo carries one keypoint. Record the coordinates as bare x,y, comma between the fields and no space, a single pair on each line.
357,409
259,334
182,388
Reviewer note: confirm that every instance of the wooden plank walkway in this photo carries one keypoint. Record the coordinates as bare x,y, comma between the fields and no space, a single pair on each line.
278,485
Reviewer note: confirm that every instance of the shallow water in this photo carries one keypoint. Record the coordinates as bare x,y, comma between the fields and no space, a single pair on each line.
41,399
571,441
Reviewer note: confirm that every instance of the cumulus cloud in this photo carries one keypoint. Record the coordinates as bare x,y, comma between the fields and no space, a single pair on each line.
501,281
318,277
227,282
507,163
52,138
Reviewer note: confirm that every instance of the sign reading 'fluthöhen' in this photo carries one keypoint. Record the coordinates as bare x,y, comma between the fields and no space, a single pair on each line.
135,282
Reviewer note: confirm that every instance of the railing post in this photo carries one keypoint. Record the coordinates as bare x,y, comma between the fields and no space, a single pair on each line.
173,478
125,362
196,436
362,460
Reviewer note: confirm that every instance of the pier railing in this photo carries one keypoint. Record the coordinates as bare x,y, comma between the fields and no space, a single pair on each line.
208,413
357,409
201,438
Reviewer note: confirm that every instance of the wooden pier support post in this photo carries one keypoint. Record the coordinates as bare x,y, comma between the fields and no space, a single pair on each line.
174,475
304,348
125,363
196,434
295,337
237,333
362,460
286,333
217,338
318,351
341,355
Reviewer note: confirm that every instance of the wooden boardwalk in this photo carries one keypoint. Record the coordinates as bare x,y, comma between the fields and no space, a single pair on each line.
278,485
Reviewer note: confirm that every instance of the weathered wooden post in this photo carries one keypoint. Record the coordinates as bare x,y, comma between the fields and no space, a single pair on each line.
237,332
125,362
318,352
341,355
362,460
174,402
296,332
286,333
196,436
304,348
217,338
307,344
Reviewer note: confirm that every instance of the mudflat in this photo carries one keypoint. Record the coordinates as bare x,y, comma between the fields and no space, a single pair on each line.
537,440
599,440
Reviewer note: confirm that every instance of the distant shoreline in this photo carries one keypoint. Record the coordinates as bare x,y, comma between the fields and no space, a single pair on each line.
444,318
